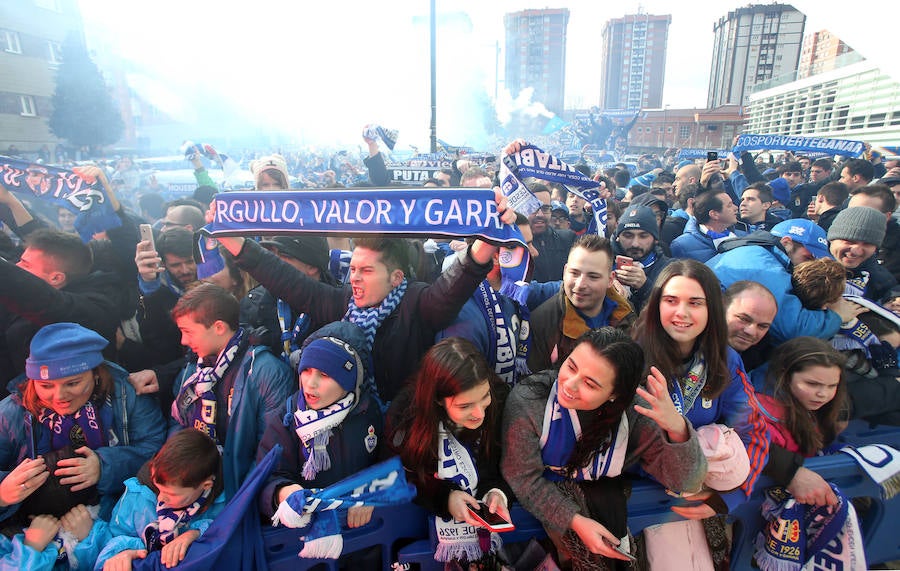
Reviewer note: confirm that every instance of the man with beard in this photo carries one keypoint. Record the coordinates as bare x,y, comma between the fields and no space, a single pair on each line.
551,245
638,257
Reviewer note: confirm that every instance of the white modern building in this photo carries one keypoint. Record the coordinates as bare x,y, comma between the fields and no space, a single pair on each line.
854,101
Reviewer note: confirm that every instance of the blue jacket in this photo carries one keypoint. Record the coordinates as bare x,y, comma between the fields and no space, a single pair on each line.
770,267
15,555
137,427
133,512
262,383
737,407
695,244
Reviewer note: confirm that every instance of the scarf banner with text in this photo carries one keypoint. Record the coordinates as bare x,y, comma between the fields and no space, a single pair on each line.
450,212
841,147
531,161
64,188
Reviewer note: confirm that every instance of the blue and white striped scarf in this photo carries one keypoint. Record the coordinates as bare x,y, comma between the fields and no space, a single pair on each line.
369,319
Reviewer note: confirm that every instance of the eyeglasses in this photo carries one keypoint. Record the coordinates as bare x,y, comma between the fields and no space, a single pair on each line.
546,208
168,224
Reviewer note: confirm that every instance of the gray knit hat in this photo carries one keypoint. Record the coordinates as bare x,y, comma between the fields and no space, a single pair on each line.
859,224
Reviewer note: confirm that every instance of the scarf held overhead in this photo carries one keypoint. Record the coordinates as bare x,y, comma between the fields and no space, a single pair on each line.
64,188
531,161
452,213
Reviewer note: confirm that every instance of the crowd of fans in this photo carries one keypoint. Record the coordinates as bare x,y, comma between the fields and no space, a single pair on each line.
748,305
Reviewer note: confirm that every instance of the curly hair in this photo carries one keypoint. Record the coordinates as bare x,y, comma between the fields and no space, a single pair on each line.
819,282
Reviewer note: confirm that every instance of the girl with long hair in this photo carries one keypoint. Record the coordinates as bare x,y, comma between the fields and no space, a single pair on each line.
444,426
569,434
805,407
683,331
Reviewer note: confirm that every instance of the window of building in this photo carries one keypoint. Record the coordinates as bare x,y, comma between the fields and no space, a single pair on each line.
877,120
55,52
684,131
9,41
669,130
26,106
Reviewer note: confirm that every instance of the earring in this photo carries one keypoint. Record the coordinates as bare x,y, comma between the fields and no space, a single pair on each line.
612,399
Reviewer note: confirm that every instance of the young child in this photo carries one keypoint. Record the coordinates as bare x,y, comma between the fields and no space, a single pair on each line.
328,429
445,426
171,502
804,411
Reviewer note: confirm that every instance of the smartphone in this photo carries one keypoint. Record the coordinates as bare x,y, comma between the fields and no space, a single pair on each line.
621,548
147,235
491,521
623,261
712,156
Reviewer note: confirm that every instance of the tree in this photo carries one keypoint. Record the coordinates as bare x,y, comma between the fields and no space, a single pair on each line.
84,113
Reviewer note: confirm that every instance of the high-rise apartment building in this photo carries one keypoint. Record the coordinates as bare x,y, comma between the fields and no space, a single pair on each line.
634,61
536,54
820,52
752,45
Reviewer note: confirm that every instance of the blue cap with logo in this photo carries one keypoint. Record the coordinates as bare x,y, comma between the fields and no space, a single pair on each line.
806,233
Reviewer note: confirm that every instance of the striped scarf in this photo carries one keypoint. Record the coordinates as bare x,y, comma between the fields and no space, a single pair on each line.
369,319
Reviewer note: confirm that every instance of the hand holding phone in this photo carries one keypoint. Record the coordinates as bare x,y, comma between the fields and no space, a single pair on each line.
491,521
624,261
622,548
147,235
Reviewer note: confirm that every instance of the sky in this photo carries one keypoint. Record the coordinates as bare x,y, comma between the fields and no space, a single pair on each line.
320,71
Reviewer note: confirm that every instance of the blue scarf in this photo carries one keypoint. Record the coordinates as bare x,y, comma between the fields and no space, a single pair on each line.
797,534
845,147
202,386
390,211
531,161
504,344
84,428
316,509
314,427
171,521
561,429
65,189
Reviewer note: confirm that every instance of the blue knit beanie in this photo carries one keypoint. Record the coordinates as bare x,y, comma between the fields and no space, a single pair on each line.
335,358
781,190
61,350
